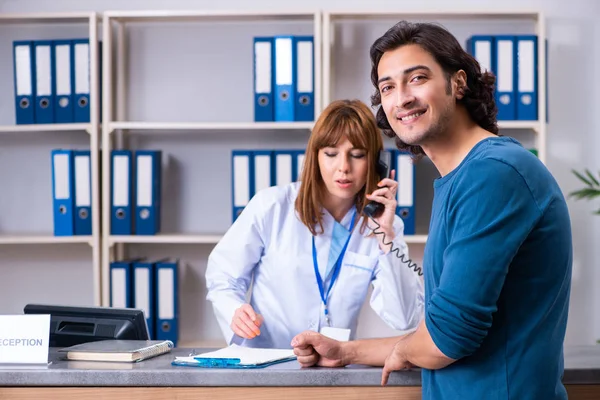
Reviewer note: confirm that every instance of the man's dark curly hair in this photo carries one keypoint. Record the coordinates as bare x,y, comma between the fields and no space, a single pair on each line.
478,96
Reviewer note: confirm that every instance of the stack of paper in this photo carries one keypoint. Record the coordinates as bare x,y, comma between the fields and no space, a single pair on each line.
236,356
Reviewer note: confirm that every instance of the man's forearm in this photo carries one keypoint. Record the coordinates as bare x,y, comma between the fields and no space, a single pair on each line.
420,350
369,351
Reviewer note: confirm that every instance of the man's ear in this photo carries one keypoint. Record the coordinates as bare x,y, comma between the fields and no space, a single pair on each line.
460,83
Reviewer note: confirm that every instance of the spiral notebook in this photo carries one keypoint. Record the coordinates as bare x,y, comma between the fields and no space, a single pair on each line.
117,350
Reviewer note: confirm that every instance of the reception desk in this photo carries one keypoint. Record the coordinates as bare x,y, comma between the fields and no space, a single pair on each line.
156,379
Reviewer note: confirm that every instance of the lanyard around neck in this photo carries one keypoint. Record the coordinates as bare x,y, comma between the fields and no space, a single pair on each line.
336,271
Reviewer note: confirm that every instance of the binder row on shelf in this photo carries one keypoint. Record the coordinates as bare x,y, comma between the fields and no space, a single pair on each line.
151,286
514,61
132,173
405,195
254,170
135,200
71,192
52,81
52,77
284,78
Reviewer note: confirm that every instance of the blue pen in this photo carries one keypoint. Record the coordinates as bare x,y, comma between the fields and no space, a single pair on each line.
217,362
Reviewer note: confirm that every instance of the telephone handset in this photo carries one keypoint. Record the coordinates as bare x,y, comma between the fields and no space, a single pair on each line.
373,209
383,166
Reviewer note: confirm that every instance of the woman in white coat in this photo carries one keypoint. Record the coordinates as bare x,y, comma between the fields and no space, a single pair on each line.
308,252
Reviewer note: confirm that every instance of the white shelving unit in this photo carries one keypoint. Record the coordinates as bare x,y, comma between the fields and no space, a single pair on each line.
166,238
331,18
12,129
45,239
91,129
207,126
202,239
116,127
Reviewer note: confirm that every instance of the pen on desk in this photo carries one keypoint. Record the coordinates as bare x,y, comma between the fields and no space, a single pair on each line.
217,362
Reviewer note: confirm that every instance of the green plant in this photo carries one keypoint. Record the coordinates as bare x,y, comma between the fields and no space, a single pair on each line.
590,191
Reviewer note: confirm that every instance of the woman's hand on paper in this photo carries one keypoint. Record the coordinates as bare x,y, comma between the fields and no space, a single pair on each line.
246,322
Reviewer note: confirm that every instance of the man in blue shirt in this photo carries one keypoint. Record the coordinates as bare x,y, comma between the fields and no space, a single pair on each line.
498,258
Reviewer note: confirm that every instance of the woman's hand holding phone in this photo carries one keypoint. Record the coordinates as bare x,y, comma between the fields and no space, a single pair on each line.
386,195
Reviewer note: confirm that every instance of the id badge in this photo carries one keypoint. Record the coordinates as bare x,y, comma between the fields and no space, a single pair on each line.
340,334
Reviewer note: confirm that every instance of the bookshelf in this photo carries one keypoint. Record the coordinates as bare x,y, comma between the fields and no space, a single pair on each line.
34,140
122,127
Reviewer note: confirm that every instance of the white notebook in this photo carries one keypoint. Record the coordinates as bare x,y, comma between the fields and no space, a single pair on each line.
117,350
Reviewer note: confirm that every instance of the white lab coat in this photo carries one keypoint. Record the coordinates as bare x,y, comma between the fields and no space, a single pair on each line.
270,248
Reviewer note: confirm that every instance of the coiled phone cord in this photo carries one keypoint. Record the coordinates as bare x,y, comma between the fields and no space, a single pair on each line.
412,265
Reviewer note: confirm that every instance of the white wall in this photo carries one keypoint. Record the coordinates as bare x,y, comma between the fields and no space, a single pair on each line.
574,86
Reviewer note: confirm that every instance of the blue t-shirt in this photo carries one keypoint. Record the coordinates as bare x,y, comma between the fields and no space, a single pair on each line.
497,269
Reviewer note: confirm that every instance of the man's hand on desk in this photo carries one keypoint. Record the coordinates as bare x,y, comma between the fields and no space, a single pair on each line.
394,362
312,348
